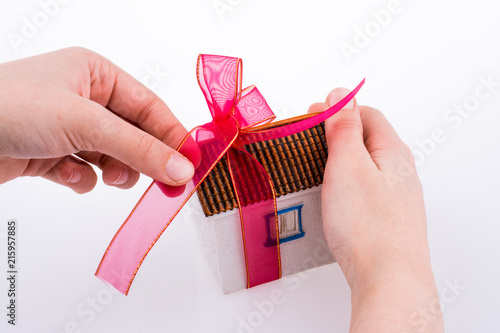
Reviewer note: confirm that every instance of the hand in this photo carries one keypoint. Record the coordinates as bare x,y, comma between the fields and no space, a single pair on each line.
61,111
374,221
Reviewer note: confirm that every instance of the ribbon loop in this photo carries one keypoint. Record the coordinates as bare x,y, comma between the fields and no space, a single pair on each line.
252,109
220,80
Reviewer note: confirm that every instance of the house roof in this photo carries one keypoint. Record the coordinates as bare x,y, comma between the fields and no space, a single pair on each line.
295,163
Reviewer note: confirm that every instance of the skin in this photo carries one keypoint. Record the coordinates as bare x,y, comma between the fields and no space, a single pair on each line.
64,110
60,112
374,222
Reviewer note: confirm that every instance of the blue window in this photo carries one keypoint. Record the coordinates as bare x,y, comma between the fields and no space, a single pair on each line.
289,224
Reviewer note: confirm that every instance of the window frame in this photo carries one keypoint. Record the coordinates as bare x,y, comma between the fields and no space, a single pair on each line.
269,220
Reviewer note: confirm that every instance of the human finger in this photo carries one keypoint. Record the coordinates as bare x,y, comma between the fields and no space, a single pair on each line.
382,142
344,131
317,107
114,172
104,132
72,172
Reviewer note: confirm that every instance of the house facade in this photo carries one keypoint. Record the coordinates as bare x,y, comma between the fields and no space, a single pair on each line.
296,166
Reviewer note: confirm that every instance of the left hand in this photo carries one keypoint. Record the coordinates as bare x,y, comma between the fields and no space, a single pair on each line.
62,110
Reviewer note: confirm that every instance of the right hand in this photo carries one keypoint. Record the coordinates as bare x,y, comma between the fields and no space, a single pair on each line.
374,218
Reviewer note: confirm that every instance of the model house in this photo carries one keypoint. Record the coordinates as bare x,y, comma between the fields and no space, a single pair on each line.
296,164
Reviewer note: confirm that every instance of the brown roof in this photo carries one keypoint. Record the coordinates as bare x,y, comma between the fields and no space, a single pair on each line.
294,162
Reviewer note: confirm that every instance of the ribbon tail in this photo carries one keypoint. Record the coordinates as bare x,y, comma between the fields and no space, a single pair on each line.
258,215
286,130
158,207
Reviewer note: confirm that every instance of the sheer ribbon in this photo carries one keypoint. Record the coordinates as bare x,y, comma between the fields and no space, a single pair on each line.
236,114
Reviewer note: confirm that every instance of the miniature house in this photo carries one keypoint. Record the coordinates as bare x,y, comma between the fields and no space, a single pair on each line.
296,165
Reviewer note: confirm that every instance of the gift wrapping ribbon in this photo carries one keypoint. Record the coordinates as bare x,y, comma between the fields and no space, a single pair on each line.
236,112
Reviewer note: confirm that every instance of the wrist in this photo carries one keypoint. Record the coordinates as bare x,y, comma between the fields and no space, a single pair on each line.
378,262
401,296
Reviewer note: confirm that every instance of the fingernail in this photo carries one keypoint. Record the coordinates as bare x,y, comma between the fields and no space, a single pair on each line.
122,177
75,177
179,169
337,95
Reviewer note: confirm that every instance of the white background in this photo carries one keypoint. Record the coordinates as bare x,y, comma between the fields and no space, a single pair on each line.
428,58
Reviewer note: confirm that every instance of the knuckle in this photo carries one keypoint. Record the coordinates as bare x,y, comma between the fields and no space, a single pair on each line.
406,152
174,135
103,161
78,49
345,125
36,168
147,111
80,52
369,109
145,147
91,140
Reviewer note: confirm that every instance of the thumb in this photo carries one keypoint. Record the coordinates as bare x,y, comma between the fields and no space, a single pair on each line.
106,133
344,131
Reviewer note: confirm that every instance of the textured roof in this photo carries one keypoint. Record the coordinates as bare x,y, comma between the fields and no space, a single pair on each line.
294,162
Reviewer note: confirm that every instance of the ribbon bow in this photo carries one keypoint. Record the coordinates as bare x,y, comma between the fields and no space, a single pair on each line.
235,113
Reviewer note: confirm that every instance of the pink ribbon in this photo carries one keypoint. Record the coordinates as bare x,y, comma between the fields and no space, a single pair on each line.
235,114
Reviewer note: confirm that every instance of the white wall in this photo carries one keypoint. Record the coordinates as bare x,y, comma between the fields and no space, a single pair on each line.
220,239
